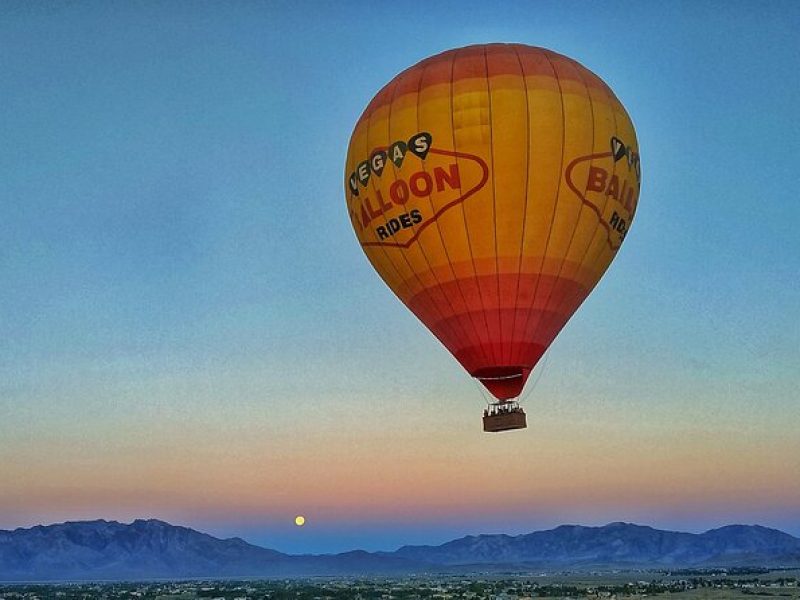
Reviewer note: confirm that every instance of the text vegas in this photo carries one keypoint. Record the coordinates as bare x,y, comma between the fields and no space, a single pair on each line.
373,205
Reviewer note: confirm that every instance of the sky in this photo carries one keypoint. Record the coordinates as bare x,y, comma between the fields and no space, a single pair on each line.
189,330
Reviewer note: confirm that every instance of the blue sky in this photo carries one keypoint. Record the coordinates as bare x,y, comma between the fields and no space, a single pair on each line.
181,285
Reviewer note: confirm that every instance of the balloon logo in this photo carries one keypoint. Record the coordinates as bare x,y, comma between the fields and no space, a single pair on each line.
491,187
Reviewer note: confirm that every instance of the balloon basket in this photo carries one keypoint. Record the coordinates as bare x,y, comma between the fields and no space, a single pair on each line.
504,416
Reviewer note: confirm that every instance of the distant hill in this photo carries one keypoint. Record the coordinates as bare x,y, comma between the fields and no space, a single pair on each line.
618,545
154,549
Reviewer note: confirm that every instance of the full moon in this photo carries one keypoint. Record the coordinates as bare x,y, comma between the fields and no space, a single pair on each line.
299,520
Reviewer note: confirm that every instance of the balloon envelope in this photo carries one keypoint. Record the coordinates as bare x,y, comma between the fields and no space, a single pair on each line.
491,187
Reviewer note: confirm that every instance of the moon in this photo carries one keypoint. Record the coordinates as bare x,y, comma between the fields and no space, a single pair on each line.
299,520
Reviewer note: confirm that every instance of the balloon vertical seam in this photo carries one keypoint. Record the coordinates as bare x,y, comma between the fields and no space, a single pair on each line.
580,210
600,223
512,350
558,190
464,215
450,323
473,336
387,256
389,261
494,205
433,305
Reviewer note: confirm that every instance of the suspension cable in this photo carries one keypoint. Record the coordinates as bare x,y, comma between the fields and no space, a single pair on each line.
483,392
536,381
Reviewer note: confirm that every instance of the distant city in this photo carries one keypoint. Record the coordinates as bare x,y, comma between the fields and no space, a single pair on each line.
719,583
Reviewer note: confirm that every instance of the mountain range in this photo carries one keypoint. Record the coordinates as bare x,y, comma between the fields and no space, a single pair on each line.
153,549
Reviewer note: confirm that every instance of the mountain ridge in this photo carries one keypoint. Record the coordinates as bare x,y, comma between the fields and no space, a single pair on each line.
155,549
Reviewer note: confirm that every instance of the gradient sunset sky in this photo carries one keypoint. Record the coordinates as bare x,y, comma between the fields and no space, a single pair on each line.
189,330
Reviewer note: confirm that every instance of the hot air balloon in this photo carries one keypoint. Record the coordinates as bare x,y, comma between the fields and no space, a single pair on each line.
490,187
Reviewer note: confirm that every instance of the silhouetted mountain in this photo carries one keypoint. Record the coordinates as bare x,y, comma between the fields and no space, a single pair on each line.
154,549
110,550
617,545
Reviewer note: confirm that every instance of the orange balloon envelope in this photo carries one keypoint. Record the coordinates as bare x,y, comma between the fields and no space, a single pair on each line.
491,187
